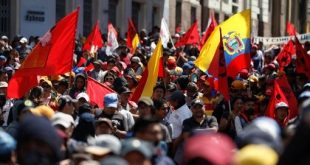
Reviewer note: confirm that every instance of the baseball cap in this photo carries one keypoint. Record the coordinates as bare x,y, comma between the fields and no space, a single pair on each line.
68,99
256,154
103,144
3,58
123,90
197,102
4,38
140,146
135,59
44,111
281,105
62,119
219,151
82,95
23,105
187,66
7,143
307,85
3,84
23,40
146,100
237,84
111,100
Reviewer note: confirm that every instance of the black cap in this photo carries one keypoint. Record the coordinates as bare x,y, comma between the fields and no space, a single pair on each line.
177,95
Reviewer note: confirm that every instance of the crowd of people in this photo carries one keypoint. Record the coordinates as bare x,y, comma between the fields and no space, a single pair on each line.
186,121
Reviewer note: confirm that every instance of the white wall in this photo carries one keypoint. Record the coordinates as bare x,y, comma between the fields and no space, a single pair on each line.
38,28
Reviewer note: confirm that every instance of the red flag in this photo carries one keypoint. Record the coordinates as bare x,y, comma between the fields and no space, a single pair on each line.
97,91
190,37
131,32
289,95
178,29
290,29
303,59
161,69
89,67
53,55
81,62
218,69
285,56
277,97
94,40
208,31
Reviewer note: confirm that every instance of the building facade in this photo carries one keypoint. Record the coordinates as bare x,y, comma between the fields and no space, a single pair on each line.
35,17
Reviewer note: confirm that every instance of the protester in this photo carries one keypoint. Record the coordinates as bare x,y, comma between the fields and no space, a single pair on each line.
141,103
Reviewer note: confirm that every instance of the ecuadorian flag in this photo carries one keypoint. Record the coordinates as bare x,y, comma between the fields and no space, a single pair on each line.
236,42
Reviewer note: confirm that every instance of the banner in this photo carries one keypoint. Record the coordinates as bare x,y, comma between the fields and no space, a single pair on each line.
281,40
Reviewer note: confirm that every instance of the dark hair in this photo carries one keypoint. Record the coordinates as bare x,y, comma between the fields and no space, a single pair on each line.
142,124
84,129
5,158
160,86
158,104
235,99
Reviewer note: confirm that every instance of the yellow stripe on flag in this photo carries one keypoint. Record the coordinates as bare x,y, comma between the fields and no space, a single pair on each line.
152,68
135,42
240,23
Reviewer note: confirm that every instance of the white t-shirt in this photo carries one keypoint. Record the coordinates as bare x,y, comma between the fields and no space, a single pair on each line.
176,119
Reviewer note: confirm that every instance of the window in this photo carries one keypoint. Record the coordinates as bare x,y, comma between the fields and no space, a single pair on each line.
5,17
234,9
155,16
112,11
87,23
60,9
135,13
193,14
178,14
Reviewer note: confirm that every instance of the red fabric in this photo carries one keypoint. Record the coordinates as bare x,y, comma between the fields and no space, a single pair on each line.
290,29
218,69
277,96
285,56
81,62
289,95
53,55
178,29
97,91
240,62
208,31
303,59
190,37
161,70
94,38
131,32
89,67
138,91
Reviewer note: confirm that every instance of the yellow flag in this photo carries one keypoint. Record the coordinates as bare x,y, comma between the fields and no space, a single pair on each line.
135,43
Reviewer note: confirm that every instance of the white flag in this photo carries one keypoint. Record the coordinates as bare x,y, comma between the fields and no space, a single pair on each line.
164,33
112,43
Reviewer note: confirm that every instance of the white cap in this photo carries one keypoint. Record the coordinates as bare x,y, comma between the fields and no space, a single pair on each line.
4,38
23,40
281,105
83,95
3,84
62,119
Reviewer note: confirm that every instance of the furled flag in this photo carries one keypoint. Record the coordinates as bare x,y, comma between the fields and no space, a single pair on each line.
289,95
290,29
97,91
276,97
53,55
211,26
218,69
149,76
285,56
164,33
190,37
236,41
94,40
303,59
132,37
112,40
